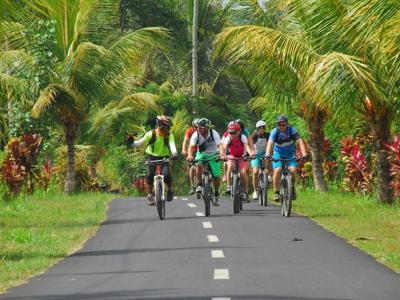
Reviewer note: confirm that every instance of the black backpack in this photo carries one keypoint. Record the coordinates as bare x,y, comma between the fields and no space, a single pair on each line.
292,137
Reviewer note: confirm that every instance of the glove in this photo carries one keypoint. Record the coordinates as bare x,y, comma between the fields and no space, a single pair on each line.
130,139
304,158
174,157
268,157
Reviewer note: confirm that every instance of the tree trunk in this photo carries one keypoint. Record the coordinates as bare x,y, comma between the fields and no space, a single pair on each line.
70,182
316,132
195,46
381,130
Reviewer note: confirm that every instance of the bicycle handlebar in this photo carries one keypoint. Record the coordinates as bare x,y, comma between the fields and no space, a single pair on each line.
157,161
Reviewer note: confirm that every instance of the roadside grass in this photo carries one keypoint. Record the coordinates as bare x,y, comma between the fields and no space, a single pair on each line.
38,231
364,223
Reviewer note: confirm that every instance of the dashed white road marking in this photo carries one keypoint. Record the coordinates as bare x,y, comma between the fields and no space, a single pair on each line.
219,298
212,238
221,274
207,225
199,214
217,254
184,199
175,197
191,205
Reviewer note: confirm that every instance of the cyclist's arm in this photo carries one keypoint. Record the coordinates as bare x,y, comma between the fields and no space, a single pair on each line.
185,145
192,144
172,145
302,145
268,150
249,148
144,140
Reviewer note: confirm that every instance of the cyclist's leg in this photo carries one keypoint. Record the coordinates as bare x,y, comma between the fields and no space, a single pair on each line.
244,177
277,173
230,166
199,171
150,172
256,164
168,180
293,171
216,173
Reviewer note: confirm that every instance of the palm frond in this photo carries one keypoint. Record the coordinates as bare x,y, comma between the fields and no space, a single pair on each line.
11,36
14,88
141,101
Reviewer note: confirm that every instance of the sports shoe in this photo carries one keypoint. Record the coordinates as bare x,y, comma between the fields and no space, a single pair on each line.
170,195
245,198
277,198
255,195
198,189
216,201
150,200
228,190
192,191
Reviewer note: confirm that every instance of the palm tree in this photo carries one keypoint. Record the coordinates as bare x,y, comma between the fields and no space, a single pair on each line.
92,59
344,56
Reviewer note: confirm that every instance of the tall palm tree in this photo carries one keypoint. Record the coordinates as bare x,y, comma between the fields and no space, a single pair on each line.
92,59
344,55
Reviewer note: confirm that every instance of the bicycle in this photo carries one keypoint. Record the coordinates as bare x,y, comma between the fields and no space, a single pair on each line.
237,190
159,186
262,185
207,190
286,187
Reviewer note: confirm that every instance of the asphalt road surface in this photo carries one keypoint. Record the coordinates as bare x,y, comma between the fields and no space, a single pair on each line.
255,255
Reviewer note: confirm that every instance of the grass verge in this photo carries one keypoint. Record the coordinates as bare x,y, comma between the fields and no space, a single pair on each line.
364,223
36,232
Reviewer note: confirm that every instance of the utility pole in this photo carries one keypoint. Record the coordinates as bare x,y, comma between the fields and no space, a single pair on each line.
195,47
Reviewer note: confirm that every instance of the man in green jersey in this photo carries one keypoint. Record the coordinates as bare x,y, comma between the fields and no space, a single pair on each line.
160,143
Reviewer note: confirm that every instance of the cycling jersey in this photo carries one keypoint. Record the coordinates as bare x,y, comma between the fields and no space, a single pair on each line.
188,134
260,141
236,146
209,144
159,148
284,142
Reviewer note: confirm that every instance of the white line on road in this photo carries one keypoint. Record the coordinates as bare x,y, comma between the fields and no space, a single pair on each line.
191,205
207,225
184,199
199,214
175,197
217,254
221,274
212,238
219,298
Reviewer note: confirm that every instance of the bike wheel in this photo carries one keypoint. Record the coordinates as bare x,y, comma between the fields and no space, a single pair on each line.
287,196
240,196
235,194
206,196
264,188
260,189
159,200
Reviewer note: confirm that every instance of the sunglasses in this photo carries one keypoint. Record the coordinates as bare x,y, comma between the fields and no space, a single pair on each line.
261,127
233,132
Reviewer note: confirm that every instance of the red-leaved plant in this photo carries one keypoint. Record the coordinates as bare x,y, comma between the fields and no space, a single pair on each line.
394,153
358,176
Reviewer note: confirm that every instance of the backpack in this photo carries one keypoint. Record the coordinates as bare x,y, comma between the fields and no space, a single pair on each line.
292,137
238,148
202,147
154,137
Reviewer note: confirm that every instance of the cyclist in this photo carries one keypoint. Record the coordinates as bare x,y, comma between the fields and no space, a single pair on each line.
260,138
160,143
185,145
237,144
207,140
282,143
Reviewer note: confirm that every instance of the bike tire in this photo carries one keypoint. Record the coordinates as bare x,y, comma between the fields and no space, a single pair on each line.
265,188
260,190
159,200
287,196
235,194
206,196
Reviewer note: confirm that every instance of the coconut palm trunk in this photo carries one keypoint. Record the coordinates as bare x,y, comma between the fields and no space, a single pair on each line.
315,127
381,130
195,46
70,182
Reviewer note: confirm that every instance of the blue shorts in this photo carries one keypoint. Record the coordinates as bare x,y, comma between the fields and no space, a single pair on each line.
278,164
256,163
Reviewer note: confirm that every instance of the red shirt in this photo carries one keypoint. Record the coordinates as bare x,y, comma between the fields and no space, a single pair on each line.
188,134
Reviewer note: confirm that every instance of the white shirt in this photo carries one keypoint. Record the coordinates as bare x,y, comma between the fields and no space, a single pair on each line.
211,147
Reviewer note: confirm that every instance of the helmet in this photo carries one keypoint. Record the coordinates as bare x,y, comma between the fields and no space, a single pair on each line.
260,123
164,122
204,123
233,127
195,122
240,122
282,118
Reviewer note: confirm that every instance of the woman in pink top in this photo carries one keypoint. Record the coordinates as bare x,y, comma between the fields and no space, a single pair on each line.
238,145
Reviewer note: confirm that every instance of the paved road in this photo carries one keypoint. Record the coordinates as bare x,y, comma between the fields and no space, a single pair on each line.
255,255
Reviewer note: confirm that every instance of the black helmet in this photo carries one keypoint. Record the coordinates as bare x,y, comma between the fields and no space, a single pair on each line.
282,118
204,123
164,122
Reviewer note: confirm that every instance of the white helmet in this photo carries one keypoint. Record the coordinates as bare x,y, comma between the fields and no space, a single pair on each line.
260,123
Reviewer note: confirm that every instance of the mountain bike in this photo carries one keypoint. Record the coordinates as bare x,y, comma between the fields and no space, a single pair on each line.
286,187
207,190
237,189
159,186
262,185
